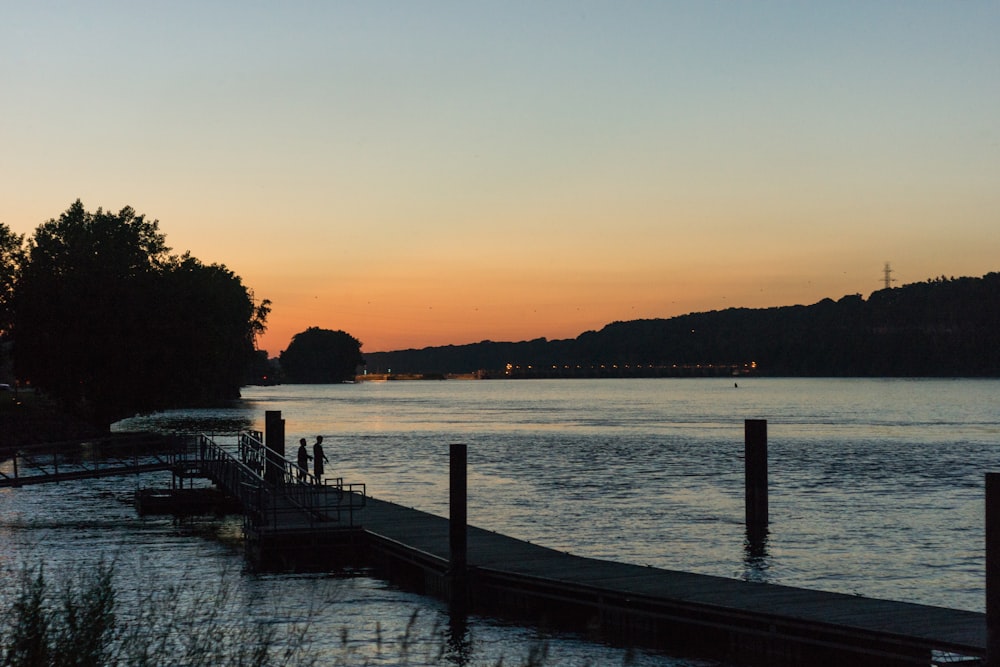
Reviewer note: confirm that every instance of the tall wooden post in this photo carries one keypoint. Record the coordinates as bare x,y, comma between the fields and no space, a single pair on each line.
992,569
458,525
755,456
457,507
274,444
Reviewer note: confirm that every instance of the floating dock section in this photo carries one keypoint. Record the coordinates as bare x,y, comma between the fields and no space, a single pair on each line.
683,613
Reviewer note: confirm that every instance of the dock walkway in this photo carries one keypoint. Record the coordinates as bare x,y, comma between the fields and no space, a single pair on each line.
761,623
88,458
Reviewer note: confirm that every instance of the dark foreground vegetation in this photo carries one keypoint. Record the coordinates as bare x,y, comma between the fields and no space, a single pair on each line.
80,620
946,327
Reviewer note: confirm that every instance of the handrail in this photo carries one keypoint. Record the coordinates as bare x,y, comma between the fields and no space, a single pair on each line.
89,457
273,491
271,487
233,476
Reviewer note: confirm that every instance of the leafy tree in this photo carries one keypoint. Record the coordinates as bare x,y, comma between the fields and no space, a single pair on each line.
261,370
319,356
205,338
11,259
111,324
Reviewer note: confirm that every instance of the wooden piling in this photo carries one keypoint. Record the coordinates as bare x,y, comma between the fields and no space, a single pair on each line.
274,443
457,506
992,569
458,526
755,455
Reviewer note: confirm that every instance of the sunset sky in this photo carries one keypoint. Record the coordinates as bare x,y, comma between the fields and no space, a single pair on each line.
429,173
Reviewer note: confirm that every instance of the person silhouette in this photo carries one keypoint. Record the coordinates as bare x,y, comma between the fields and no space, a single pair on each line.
303,460
318,459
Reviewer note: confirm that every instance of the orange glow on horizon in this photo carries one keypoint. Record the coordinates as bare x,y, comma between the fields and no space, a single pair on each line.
398,313
402,174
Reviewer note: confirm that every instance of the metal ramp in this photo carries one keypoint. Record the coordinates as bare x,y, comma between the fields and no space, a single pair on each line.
120,454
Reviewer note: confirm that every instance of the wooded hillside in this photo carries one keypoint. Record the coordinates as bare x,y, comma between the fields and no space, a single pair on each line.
941,327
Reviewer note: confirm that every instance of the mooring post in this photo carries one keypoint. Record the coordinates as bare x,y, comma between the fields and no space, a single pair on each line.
992,569
755,456
274,444
458,525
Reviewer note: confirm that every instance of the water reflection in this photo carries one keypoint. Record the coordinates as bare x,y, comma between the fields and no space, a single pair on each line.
756,560
459,641
224,421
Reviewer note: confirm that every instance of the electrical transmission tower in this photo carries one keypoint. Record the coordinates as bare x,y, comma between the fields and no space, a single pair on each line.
887,276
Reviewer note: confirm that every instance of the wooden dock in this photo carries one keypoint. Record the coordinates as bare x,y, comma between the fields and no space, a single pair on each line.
679,612
704,615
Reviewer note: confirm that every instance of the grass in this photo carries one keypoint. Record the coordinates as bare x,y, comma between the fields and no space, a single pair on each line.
75,621
79,620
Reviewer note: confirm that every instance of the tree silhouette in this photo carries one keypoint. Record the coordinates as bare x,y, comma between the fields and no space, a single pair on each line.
111,324
319,356
11,259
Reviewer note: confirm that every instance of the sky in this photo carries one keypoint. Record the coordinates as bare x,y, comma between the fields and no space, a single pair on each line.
421,173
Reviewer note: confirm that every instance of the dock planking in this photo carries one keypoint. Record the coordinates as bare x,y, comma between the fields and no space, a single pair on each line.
887,632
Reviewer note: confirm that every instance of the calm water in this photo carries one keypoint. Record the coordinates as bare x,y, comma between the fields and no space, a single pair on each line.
876,489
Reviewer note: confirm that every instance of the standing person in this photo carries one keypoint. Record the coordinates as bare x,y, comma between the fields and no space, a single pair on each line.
303,460
318,458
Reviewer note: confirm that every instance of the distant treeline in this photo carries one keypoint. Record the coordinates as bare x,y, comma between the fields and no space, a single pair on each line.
942,327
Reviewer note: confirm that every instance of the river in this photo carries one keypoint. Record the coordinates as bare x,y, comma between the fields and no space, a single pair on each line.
876,489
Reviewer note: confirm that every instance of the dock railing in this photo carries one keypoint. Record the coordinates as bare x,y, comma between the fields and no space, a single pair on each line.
117,454
295,499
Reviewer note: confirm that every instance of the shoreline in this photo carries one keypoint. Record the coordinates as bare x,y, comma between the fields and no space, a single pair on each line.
29,419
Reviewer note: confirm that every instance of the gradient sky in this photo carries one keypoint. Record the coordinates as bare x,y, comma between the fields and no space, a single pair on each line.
429,173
